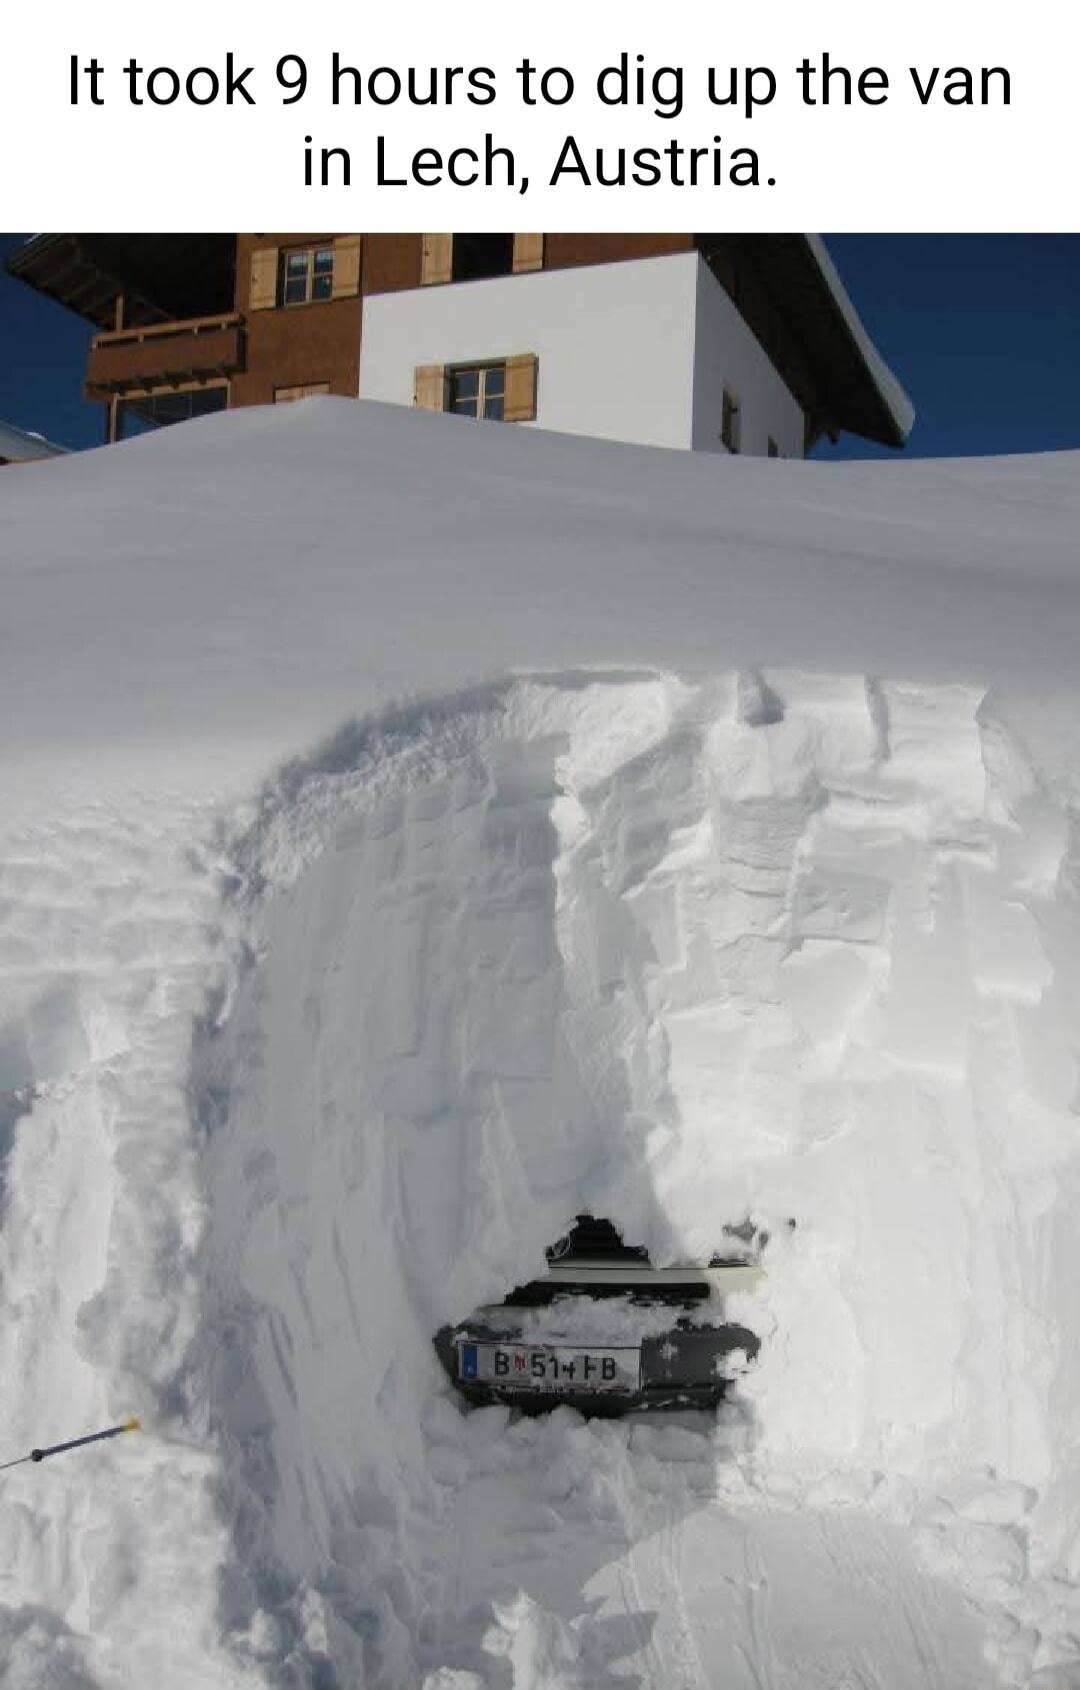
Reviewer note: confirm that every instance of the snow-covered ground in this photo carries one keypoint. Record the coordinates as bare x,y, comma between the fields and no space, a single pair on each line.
416,832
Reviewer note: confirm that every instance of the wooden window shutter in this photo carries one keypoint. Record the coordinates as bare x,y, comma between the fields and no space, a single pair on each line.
346,266
264,277
528,253
429,387
520,402
283,395
437,261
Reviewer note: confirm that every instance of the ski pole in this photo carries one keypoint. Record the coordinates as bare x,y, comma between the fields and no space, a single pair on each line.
129,1425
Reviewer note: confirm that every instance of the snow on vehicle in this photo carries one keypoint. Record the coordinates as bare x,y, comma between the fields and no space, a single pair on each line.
605,1331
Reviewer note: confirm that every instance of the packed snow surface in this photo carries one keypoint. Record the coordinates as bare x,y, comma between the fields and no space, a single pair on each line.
416,833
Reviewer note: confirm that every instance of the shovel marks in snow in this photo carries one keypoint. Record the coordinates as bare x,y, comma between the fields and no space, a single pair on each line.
773,944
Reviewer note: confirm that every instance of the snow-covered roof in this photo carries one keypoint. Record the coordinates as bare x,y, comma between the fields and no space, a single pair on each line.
19,446
889,387
788,290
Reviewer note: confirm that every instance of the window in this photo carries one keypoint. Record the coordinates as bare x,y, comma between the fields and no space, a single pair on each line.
284,395
502,390
473,258
329,268
138,414
477,256
730,421
477,390
307,274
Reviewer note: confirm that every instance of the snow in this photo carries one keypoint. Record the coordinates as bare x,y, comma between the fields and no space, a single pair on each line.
417,832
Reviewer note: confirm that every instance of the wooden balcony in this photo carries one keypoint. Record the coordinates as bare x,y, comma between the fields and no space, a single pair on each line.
164,355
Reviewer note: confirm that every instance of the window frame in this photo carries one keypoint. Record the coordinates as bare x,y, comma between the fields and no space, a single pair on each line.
481,368
160,390
311,254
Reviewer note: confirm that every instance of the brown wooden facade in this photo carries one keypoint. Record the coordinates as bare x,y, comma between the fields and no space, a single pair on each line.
298,345
264,350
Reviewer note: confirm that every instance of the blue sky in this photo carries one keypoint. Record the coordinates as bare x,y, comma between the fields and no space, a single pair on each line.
984,331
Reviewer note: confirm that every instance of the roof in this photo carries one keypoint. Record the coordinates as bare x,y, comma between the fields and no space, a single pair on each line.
18,446
827,358
164,276
890,390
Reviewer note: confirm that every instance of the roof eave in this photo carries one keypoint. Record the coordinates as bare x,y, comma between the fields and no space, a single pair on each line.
898,410
826,355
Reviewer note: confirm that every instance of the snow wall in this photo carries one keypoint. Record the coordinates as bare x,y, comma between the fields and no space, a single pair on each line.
786,946
800,947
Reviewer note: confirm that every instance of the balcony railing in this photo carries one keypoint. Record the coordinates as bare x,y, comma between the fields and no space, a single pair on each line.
165,354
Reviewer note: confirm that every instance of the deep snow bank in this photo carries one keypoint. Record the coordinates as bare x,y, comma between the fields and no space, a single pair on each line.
207,599
108,1567
769,905
779,945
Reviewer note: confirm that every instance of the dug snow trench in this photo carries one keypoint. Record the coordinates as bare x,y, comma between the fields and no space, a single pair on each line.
790,946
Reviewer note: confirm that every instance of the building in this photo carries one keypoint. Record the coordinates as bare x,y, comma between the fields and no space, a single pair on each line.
17,446
706,342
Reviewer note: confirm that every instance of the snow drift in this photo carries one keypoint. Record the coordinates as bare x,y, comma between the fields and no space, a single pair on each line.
700,841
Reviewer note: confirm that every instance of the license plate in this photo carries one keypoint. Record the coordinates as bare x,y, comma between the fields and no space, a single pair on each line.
551,1368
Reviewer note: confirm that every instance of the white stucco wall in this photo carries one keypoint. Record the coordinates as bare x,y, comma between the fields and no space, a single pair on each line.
727,352
614,343
637,351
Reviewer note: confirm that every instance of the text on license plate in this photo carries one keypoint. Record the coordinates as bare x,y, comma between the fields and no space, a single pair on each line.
550,1367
